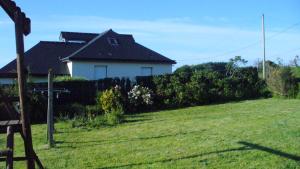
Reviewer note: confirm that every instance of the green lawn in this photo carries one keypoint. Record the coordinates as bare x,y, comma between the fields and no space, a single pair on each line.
248,134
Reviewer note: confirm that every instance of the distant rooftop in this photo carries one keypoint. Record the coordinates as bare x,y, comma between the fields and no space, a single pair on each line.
77,36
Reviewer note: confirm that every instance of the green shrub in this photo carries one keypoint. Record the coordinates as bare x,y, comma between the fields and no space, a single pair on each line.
92,111
282,82
181,92
296,71
111,100
112,103
71,110
68,79
79,121
204,87
83,122
164,91
114,117
200,87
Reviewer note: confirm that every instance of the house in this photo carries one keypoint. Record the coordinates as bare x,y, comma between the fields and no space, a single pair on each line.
91,56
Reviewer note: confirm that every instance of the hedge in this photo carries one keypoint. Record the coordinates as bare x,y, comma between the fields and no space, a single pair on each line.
181,89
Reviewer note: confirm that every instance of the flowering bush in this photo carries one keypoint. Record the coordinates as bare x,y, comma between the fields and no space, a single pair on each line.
140,96
111,102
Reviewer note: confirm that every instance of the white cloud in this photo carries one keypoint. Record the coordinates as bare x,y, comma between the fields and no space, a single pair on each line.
179,38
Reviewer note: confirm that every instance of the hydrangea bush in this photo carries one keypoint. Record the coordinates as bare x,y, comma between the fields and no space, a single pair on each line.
140,96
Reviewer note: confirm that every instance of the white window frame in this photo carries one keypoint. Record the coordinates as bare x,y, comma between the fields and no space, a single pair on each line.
147,67
113,41
95,66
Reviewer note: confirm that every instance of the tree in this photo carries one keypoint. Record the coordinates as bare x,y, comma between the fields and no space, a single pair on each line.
295,61
234,64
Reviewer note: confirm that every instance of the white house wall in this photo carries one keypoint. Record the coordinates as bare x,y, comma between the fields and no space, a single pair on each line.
129,70
7,81
70,65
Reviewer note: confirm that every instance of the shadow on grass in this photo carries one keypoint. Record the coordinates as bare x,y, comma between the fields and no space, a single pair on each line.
136,120
63,144
245,148
271,151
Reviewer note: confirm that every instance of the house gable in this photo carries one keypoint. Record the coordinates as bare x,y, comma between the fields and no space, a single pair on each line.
125,50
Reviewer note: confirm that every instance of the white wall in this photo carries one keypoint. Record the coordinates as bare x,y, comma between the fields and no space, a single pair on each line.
14,81
7,81
70,65
130,70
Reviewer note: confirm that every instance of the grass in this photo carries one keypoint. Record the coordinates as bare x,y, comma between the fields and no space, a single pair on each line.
248,134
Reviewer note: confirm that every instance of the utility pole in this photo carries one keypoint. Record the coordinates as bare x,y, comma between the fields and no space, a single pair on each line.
264,46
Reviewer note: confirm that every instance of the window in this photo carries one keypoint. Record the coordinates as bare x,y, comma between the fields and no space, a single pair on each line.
113,41
100,72
147,71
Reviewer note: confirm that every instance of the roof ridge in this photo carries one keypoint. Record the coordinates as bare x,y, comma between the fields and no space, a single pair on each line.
59,42
79,32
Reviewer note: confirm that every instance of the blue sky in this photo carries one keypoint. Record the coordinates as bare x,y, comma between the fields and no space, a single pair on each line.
188,31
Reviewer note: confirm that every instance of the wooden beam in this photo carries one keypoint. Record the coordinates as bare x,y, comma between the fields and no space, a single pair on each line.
26,128
36,158
10,8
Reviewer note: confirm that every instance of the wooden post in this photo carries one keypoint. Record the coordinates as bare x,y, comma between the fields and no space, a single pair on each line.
26,128
10,148
50,121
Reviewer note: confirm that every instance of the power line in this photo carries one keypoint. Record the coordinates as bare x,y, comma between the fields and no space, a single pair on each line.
288,51
283,31
249,45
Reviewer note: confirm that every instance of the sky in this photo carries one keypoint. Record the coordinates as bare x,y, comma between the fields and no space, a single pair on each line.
188,31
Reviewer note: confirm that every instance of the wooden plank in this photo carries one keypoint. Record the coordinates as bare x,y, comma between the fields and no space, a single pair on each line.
15,159
4,123
10,123
16,124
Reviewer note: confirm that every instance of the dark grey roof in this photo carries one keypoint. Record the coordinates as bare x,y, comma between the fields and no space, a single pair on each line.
99,49
43,56
76,36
